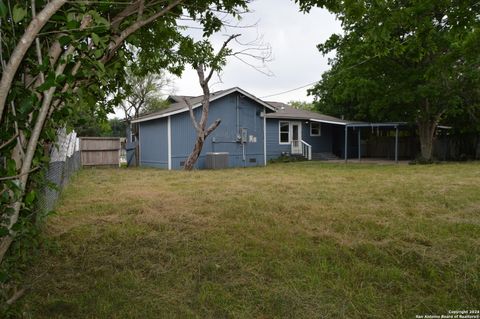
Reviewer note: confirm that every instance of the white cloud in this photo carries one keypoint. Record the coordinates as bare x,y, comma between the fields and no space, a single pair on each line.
293,37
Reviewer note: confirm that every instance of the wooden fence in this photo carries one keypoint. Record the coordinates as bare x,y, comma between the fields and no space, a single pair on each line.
100,151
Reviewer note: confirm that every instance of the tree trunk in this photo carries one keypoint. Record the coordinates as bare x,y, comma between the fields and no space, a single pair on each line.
193,157
426,132
33,143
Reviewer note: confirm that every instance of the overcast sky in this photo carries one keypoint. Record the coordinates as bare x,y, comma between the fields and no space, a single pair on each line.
293,37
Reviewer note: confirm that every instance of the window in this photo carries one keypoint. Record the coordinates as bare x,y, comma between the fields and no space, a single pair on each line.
315,129
284,131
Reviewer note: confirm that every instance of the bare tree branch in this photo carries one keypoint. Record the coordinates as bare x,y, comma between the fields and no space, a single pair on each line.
19,175
9,141
220,52
16,295
212,127
141,7
192,116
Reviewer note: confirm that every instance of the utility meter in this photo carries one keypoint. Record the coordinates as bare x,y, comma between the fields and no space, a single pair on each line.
243,135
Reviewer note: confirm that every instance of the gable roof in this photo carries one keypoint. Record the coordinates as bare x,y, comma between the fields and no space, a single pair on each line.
181,105
280,110
179,98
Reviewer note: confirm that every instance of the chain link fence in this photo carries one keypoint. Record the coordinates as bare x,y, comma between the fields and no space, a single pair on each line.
64,161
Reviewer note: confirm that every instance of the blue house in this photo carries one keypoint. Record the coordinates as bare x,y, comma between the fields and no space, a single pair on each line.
252,132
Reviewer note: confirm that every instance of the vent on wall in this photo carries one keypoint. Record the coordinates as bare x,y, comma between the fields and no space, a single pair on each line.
182,163
252,160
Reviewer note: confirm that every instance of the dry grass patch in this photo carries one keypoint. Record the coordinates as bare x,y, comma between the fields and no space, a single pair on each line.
298,240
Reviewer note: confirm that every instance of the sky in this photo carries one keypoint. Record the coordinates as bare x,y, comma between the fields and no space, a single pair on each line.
295,60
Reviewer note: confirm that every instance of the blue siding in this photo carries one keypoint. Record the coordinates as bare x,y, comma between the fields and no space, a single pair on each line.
274,148
154,134
223,139
319,144
154,143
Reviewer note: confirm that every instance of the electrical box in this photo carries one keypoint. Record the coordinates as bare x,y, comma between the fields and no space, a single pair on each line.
243,135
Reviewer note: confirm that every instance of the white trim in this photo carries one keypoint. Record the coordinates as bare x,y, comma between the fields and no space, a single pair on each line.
299,140
279,135
139,148
319,128
227,92
264,139
329,122
169,142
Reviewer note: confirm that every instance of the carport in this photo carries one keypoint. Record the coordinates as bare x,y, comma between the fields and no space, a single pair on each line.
359,126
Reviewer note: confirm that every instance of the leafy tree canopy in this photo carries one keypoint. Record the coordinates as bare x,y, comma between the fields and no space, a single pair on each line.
409,60
301,105
63,61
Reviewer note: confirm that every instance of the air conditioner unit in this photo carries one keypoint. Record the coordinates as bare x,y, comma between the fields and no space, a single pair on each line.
216,160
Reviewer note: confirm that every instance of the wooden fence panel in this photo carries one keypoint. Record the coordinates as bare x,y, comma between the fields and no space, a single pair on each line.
100,151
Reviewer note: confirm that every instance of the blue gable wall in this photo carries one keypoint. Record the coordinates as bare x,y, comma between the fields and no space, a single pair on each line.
154,142
223,139
319,144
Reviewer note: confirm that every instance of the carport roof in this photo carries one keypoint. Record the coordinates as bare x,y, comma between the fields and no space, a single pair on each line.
284,111
277,110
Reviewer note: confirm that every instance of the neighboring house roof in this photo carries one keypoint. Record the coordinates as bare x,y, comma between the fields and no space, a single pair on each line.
284,111
182,106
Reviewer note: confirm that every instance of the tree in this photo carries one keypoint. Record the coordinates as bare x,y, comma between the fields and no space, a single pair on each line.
200,64
206,62
68,57
301,105
401,60
143,93
89,124
118,127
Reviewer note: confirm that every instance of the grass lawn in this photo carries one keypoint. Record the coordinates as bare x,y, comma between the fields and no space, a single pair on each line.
295,240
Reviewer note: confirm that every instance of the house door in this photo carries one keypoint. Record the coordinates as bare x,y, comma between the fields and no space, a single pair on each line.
296,129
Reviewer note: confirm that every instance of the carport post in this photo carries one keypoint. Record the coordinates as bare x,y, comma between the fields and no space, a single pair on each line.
359,143
396,144
346,147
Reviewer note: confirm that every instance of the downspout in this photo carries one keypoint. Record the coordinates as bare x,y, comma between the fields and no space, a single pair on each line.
244,157
238,117
264,136
238,130
169,143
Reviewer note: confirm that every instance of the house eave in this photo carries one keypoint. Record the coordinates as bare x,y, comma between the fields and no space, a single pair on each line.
185,109
329,122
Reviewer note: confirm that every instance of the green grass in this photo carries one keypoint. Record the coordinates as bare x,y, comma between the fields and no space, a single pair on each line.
294,240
